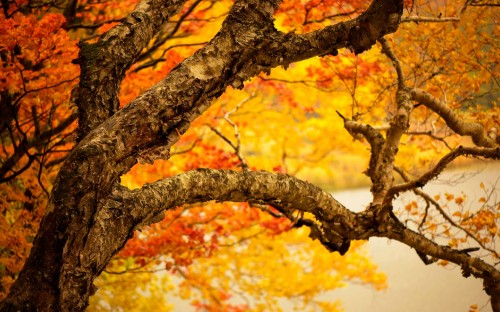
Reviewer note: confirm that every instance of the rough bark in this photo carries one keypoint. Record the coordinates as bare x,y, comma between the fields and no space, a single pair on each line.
90,217
104,63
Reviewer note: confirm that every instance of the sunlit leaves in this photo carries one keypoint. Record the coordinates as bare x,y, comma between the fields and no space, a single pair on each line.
309,15
257,272
119,292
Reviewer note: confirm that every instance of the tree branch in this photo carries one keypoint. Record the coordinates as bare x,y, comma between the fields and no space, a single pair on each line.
475,130
162,38
429,200
103,64
427,19
335,223
373,136
470,265
38,140
386,49
359,34
382,176
492,153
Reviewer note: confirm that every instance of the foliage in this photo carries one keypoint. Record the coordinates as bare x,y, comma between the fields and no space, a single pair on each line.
36,125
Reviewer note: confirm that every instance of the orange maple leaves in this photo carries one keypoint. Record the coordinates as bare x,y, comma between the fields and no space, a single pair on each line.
36,79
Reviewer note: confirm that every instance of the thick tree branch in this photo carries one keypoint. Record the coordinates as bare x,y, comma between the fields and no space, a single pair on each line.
475,130
103,64
130,210
263,187
359,34
382,176
335,223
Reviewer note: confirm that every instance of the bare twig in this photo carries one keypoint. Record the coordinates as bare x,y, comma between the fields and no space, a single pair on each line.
237,146
386,49
432,135
427,19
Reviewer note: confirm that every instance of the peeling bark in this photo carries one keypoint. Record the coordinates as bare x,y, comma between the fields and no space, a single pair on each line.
104,63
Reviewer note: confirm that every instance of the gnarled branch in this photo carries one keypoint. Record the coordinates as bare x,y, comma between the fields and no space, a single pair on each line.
103,64
472,129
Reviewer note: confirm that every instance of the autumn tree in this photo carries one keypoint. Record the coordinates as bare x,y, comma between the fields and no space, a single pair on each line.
427,94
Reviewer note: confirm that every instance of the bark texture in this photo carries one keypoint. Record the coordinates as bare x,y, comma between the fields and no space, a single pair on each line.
90,216
104,63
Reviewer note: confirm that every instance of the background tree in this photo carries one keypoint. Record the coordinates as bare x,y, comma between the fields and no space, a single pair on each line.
90,216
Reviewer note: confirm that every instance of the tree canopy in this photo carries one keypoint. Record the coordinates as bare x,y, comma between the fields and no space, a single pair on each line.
201,138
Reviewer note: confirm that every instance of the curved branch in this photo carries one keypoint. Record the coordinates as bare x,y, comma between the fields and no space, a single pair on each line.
473,129
278,190
386,49
359,34
470,265
286,193
371,134
491,153
131,210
